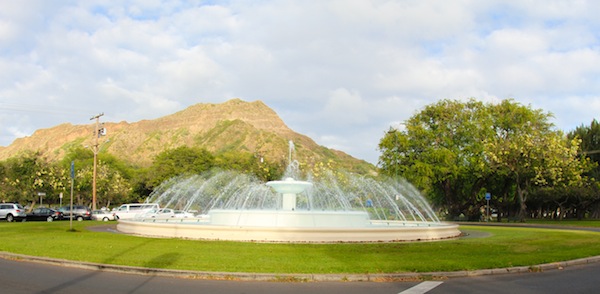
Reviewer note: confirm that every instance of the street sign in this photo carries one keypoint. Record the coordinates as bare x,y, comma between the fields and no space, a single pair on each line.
41,194
488,196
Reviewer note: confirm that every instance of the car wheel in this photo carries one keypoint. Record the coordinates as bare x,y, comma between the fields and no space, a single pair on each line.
10,218
105,219
49,219
80,218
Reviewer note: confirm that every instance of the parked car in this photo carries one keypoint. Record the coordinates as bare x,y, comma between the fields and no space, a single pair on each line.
44,214
182,214
102,215
163,213
160,213
131,210
80,212
12,211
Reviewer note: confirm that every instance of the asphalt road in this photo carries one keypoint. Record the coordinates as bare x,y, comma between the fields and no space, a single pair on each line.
31,277
576,279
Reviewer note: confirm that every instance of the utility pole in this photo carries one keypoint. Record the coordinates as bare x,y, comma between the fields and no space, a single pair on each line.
95,150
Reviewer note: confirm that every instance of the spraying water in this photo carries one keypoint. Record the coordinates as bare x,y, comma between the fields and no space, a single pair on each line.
333,191
330,206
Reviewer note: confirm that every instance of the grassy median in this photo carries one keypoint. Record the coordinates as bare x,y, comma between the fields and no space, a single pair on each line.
488,247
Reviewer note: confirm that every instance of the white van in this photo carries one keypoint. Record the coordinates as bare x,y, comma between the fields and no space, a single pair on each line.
130,210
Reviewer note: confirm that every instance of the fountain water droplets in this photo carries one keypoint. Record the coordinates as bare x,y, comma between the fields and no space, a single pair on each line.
387,200
214,190
330,207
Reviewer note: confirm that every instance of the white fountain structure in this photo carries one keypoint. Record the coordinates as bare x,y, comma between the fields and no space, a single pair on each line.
289,210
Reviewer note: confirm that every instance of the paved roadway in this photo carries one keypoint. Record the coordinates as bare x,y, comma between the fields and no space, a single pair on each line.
32,277
576,279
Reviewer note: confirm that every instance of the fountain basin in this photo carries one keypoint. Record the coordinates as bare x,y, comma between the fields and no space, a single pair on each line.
289,186
299,219
376,231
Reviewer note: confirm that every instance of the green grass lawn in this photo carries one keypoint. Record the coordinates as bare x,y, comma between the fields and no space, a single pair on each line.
566,222
496,247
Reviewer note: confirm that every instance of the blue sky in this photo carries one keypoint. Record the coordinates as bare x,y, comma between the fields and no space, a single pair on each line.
342,72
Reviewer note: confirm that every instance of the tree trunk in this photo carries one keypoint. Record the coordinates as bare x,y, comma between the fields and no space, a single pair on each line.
522,198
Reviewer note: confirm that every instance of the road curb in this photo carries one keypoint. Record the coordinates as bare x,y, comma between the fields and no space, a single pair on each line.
237,276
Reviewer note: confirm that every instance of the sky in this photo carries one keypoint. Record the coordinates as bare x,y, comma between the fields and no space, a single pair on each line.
342,72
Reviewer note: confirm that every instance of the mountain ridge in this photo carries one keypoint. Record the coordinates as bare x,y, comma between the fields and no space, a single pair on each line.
233,125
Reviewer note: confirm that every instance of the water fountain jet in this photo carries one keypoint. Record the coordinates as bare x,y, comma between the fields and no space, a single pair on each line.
337,207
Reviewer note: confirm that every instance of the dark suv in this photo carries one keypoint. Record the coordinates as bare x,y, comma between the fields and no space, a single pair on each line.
12,211
80,212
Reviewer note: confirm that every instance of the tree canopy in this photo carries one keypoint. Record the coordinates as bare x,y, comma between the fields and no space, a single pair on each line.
24,176
457,151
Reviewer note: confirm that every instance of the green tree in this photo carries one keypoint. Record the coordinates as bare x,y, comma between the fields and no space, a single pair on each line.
590,144
27,175
113,177
441,152
246,162
456,151
178,161
528,151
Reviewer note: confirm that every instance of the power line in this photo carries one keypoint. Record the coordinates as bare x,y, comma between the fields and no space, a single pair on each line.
9,107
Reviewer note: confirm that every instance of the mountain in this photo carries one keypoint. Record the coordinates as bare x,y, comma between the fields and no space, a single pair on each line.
234,125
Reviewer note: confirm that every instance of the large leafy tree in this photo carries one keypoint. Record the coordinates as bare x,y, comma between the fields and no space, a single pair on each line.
249,163
27,175
111,185
113,177
528,152
441,151
590,144
536,162
455,151
589,199
178,161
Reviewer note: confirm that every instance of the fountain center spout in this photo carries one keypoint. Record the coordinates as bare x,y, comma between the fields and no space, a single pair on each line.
288,188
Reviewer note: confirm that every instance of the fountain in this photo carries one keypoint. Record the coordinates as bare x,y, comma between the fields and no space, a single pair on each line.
329,207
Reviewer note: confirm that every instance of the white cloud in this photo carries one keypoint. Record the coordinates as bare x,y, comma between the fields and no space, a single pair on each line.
339,71
345,108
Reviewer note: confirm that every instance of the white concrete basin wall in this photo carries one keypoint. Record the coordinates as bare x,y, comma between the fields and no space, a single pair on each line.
388,233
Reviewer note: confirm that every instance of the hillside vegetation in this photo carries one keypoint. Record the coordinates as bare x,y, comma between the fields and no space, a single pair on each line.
235,125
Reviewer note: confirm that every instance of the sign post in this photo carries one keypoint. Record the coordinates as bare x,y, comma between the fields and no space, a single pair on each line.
71,206
41,194
488,196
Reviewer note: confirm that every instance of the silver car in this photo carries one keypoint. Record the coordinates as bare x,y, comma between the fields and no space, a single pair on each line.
102,215
12,211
